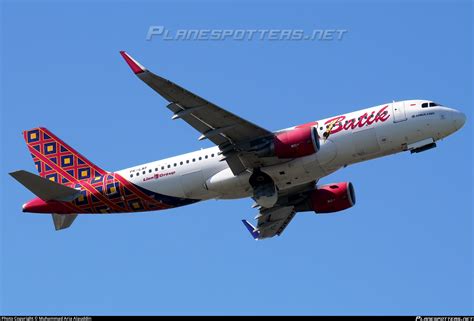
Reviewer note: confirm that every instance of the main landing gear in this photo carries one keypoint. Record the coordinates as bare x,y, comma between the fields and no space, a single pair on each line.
265,192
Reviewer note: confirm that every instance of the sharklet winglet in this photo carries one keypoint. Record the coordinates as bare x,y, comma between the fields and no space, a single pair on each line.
255,233
136,67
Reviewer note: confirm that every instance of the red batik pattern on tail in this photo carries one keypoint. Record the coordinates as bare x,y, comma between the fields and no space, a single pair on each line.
101,191
56,153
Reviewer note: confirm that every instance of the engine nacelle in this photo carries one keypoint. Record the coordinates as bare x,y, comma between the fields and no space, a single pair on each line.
295,143
333,197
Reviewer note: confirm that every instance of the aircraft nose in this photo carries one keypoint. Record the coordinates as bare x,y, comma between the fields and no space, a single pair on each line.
459,119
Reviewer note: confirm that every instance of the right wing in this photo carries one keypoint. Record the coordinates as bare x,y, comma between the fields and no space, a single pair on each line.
273,221
220,126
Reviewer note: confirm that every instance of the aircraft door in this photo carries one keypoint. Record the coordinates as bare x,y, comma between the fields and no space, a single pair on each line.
398,109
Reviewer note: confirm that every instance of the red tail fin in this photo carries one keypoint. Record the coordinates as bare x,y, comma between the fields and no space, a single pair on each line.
56,160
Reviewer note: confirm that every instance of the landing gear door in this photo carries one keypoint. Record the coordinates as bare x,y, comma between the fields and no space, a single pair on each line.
398,109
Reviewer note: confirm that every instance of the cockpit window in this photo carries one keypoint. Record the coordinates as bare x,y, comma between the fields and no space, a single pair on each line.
430,104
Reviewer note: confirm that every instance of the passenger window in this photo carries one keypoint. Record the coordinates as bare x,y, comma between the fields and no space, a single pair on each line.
212,155
137,174
205,157
175,164
187,161
162,167
200,158
143,172
169,166
131,175
156,169
180,163
194,159
149,171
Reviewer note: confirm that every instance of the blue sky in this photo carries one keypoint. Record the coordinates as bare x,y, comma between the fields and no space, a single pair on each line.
405,248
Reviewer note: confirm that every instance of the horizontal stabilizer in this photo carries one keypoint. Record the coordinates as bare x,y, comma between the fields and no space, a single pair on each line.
255,234
62,221
44,188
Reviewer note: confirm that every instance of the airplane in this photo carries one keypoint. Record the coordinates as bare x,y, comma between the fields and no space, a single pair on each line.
278,170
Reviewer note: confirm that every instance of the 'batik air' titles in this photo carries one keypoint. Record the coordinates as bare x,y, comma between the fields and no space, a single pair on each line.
365,119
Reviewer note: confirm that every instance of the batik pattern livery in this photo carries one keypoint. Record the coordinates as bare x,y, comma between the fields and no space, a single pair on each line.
101,191
49,152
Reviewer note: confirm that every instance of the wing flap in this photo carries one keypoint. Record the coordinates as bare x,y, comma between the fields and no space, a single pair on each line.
273,221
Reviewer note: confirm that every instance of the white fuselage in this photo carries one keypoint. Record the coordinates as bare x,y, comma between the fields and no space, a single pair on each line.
406,124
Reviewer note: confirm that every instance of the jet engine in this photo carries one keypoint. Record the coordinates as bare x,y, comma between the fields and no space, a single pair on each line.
332,197
294,143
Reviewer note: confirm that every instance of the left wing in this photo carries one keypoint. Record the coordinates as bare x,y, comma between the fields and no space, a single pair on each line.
223,128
